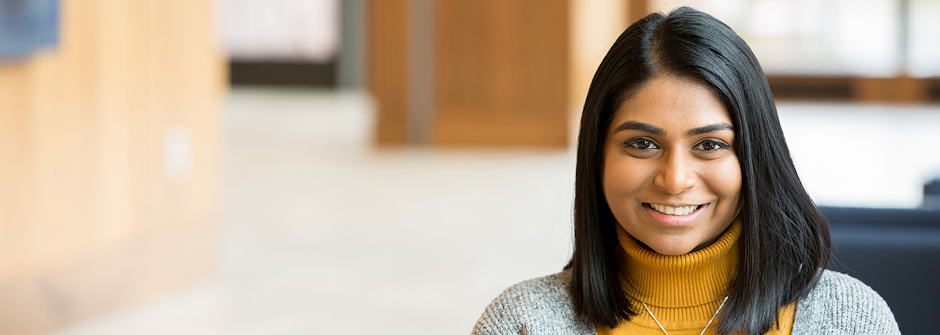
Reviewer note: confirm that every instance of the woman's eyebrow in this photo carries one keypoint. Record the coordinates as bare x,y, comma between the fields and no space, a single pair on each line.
709,128
659,131
641,127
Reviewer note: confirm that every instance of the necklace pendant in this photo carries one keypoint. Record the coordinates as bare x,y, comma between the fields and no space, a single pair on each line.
703,329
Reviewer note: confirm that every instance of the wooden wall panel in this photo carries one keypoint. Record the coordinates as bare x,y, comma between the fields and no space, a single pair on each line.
901,89
898,89
188,79
89,219
502,72
15,173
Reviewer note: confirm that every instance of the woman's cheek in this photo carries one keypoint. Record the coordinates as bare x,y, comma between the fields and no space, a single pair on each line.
621,176
727,178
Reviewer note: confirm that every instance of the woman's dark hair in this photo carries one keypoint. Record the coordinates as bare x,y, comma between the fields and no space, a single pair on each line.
784,243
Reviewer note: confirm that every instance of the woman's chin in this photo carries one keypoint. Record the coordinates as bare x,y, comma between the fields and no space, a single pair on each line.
666,248
673,250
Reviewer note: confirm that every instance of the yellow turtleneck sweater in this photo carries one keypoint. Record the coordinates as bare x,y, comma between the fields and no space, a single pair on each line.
682,291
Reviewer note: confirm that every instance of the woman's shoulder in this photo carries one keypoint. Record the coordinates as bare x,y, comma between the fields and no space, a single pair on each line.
535,306
842,304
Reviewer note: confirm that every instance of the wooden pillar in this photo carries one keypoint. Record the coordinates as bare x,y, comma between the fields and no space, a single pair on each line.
637,9
388,68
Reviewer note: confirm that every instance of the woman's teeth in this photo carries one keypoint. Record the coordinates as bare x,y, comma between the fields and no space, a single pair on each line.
669,210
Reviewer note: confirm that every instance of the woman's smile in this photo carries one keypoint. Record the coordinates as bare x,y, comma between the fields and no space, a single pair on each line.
674,210
671,176
675,215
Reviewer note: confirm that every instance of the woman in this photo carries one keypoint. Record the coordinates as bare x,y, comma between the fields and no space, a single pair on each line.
689,215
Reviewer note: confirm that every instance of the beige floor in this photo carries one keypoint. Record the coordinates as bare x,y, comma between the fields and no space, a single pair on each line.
324,234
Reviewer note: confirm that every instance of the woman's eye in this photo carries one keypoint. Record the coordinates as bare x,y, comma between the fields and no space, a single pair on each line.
711,145
642,144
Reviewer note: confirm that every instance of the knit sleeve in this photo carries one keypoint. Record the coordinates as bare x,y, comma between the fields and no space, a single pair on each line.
841,304
502,316
533,307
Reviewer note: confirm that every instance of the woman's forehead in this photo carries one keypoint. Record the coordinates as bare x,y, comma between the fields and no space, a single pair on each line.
671,102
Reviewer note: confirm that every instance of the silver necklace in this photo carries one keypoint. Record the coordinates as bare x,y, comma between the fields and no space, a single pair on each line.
703,330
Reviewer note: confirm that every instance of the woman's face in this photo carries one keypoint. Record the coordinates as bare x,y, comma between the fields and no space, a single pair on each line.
671,175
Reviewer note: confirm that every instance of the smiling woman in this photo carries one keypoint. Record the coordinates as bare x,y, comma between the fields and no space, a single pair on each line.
690,217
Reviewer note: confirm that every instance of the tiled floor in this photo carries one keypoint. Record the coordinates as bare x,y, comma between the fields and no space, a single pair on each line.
324,234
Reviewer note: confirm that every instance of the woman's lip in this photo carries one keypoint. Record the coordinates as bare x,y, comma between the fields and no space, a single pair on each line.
673,205
675,220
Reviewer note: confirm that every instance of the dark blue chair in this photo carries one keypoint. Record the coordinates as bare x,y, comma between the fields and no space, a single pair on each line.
897,253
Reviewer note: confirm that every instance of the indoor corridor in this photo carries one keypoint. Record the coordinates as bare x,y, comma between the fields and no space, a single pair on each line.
322,232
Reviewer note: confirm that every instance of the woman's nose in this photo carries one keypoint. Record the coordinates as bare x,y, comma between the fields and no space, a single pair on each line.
675,175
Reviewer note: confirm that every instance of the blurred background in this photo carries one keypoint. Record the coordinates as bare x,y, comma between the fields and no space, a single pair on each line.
390,166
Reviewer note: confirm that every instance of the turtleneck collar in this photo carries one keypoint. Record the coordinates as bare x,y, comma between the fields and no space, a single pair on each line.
696,279
683,291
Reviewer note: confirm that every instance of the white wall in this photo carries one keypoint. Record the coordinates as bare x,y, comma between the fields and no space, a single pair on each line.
302,30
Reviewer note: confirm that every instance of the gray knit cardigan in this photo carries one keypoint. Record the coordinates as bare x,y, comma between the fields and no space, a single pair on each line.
838,305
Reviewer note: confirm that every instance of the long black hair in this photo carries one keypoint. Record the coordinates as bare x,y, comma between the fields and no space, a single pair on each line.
784,243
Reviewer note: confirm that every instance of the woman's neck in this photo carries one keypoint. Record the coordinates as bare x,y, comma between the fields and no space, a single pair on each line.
694,279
